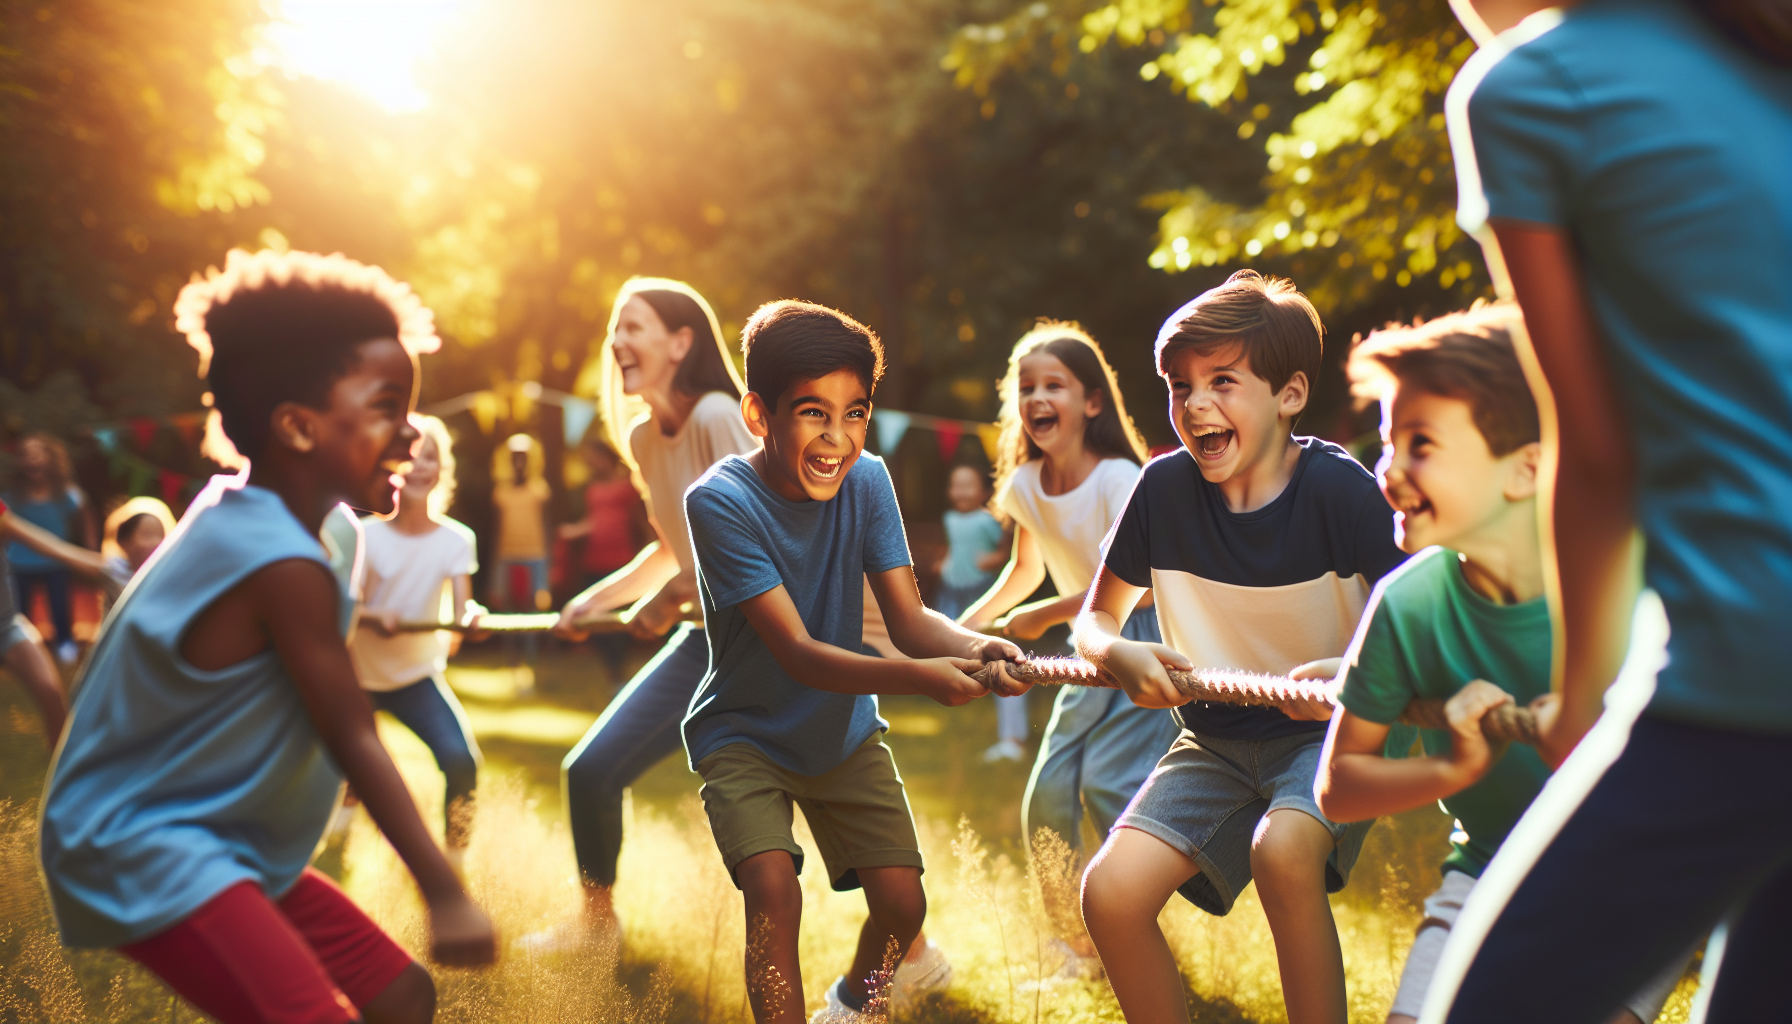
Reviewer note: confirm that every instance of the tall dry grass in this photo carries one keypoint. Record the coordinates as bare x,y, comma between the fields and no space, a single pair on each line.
685,939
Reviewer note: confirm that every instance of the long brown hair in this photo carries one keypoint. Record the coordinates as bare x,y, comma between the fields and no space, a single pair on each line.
1109,433
707,367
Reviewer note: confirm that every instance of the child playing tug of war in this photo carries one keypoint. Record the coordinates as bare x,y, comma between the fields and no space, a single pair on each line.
1261,548
220,713
1464,619
786,714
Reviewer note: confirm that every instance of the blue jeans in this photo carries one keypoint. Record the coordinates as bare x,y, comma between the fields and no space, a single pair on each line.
1690,825
1098,750
54,584
429,709
637,731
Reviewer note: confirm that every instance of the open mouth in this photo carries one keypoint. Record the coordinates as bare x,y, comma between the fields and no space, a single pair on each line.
1212,442
1042,423
827,467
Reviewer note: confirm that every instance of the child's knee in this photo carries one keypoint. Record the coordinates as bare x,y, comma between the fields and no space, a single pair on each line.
1290,848
768,882
895,897
1112,897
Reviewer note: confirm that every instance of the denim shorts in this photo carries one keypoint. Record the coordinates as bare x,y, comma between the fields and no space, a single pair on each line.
1206,796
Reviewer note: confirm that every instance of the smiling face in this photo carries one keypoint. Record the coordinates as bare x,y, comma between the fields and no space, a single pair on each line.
1054,407
143,541
1446,486
646,353
361,439
1227,416
35,459
813,436
425,471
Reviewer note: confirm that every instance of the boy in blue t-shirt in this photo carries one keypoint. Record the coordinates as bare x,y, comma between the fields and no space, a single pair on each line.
1625,165
786,714
1261,548
1463,620
219,714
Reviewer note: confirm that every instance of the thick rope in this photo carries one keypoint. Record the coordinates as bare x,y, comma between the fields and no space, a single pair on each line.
1508,722
530,622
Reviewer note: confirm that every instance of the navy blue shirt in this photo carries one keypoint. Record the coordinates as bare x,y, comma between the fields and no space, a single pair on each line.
1263,591
749,540
1664,151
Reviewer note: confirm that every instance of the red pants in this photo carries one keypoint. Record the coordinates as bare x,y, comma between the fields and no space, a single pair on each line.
311,958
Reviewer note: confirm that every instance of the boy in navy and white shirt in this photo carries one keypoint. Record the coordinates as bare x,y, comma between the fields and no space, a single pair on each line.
1262,549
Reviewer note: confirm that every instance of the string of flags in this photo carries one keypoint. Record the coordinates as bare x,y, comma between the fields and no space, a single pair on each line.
518,400
115,442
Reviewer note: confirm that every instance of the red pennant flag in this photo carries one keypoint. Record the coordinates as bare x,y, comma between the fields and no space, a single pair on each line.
144,429
171,487
948,434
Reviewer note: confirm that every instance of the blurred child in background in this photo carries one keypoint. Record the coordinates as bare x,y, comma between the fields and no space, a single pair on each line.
45,495
521,495
416,562
21,648
614,528
1068,458
134,530
976,546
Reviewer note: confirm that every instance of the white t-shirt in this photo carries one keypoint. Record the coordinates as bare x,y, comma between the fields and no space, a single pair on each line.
408,573
1070,526
670,465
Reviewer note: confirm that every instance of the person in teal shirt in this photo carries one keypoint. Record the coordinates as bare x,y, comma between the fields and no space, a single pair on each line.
1463,620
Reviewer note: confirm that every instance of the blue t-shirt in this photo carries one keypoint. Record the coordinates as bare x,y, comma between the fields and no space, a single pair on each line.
174,783
1263,591
1665,151
749,540
55,516
969,537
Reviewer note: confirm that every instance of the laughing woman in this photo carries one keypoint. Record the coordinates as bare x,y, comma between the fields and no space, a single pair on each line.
671,398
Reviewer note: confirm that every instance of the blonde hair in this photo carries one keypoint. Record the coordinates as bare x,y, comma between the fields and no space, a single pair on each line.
1110,433
129,510
708,367
433,429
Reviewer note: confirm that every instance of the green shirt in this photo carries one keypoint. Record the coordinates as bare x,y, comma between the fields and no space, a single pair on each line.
1426,633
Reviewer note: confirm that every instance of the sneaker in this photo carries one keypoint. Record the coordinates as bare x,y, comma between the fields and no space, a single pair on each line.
1073,966
835,1011
68,652
921,977
1005,750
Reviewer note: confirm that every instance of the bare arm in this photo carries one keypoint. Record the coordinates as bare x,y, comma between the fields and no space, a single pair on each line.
1357,783
826,667
294,603
1588,477
1137,666
920,632
1023,574
42,541
647,572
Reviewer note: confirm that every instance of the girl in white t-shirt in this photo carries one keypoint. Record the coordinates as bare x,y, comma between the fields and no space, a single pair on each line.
1066,463
414,564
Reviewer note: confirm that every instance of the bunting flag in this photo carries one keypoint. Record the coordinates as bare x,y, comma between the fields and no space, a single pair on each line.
991,436
891,426
576,415
145,430
948,433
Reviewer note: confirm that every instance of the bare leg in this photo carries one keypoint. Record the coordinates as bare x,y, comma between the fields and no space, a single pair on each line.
409,999
774,914
1124,890
897,906
28,661
1288,857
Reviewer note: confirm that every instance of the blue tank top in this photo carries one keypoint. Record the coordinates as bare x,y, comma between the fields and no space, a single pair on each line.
173,783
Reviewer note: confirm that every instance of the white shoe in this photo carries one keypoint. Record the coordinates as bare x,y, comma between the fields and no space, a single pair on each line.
1005,750
921,977
68,652
836,1012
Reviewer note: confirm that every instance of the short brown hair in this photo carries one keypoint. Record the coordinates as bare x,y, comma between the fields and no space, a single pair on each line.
790,340
1466,356
1277,327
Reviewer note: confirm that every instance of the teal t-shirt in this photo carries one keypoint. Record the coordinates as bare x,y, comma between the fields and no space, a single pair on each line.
969,536
1427,634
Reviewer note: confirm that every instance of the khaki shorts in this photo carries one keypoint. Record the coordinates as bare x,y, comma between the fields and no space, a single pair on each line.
858,811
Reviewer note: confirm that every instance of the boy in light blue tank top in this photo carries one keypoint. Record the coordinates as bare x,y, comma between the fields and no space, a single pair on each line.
220,712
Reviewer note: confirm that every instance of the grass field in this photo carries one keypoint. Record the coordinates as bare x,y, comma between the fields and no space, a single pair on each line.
681,960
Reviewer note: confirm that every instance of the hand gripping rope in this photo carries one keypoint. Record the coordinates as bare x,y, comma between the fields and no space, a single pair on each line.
1508,722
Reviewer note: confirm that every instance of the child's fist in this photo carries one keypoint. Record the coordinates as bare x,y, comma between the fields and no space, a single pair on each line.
948,680
1140,669
460,933
1470,752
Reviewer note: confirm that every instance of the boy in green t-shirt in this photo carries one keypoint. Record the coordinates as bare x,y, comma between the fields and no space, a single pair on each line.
1463,619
